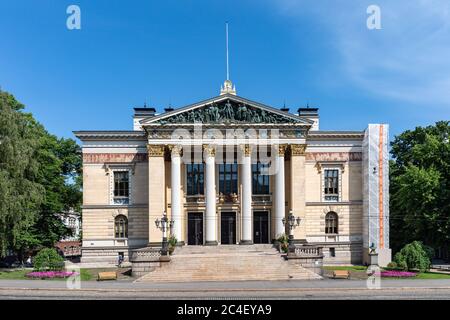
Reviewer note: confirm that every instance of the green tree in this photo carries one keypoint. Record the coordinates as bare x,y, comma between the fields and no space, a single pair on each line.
20,193
420,187
413,256
40,176
59,171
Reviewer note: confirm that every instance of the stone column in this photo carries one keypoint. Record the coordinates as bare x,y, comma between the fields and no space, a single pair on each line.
298,173
176,193
280,198
210,177
156,191
246,209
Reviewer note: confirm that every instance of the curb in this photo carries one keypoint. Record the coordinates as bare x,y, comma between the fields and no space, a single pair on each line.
225,289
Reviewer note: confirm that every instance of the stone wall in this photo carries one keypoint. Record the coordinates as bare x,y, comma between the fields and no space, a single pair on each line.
104,255
345,253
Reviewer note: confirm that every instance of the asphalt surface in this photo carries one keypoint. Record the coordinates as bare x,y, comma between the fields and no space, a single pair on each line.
290,289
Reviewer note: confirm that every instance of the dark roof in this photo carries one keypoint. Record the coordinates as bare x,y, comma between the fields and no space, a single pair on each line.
141,109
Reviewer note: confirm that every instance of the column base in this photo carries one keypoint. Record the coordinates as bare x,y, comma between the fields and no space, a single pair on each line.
180,243
211,243
246,242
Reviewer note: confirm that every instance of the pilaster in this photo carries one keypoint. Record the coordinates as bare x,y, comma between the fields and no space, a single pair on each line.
298,207
156,190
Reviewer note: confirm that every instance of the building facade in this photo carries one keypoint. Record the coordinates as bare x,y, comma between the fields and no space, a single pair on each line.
71,220
227,170
70,246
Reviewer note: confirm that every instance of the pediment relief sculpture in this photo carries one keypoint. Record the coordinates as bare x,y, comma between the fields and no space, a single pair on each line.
228,112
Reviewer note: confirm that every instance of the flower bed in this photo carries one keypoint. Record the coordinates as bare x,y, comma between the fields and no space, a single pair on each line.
50,274
397,274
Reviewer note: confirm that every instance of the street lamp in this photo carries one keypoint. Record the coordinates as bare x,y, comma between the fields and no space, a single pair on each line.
292,222
164,224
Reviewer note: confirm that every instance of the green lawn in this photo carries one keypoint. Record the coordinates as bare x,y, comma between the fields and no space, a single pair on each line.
361,269
16,274
20,274
432,275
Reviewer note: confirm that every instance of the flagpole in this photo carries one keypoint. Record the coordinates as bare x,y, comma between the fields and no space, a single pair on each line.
228,72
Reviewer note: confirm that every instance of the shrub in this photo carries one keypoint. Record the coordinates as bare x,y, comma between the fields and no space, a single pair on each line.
48,259
392,265
172,243
283,240
413,256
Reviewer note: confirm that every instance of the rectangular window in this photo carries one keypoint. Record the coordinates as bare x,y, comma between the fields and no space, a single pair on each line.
260,178
121,187
228,178
195,179
332,252
331,185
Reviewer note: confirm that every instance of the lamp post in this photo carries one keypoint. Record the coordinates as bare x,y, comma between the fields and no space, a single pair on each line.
164,224
292,222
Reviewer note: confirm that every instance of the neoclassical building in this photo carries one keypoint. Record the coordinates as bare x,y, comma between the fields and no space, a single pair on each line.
227,170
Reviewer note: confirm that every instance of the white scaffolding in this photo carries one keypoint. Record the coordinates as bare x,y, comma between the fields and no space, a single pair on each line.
376,187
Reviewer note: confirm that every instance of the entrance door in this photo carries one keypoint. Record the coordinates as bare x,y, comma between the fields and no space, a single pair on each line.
228,228
195,228
261,227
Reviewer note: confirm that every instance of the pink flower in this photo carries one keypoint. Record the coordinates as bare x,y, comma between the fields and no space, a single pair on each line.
51,274
398,274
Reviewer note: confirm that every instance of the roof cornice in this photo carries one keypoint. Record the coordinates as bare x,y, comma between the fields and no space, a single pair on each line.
108,135
335,135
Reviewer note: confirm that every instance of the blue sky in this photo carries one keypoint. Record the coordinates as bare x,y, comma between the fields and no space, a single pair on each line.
173,52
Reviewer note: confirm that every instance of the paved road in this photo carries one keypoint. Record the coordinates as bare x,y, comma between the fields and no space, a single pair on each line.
291,289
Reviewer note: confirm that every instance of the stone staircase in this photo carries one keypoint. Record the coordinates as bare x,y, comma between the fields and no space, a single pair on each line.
227,263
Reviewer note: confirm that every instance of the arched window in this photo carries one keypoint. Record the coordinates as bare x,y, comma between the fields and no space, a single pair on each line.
331,223
121,226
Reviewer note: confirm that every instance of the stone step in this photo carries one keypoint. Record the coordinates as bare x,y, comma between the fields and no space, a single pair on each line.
227,263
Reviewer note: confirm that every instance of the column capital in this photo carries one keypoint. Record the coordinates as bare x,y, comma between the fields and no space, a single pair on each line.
281,149
176,150
246,149
209,150
298,149
155,150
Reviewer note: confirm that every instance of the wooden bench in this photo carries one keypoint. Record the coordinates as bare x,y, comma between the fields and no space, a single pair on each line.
341,274
110,275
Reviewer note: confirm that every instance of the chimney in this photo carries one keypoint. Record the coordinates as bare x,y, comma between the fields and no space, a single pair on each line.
142,113
284,109
168,109
310,114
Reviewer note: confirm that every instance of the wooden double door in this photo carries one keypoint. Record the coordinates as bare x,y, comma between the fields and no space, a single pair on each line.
228,228
261,227
195,228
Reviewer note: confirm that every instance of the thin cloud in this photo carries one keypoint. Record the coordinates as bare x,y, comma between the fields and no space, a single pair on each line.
408,59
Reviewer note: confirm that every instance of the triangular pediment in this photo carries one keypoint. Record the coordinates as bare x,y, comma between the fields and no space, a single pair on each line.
226,109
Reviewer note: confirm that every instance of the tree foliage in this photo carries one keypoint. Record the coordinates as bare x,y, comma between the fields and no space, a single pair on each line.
39,177
420,187
48,259
413,256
